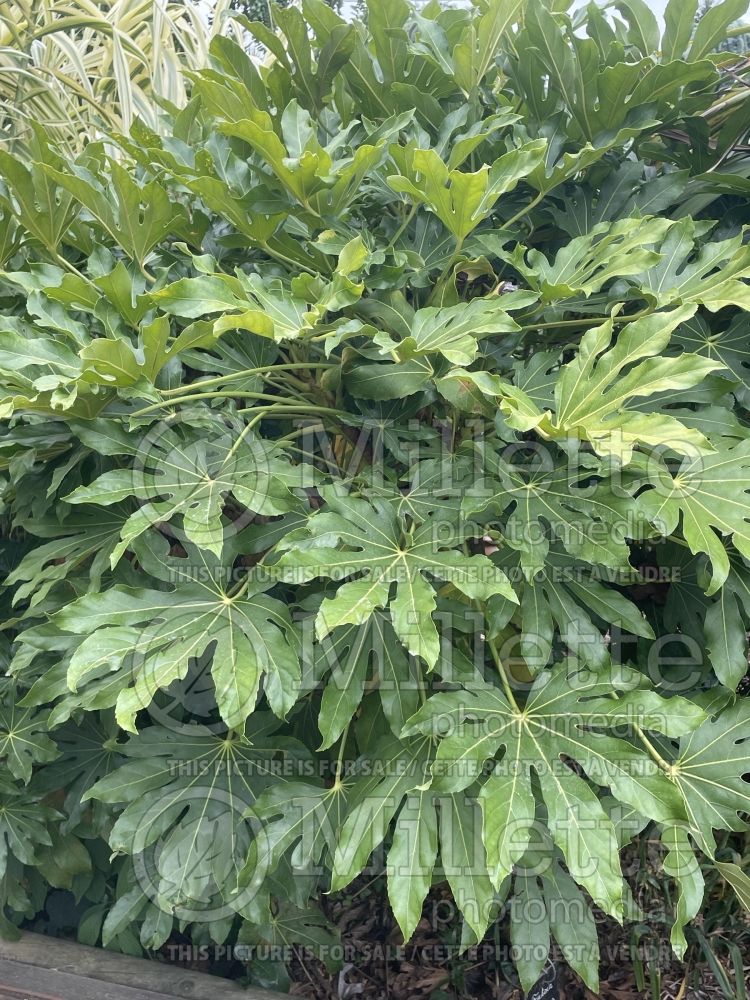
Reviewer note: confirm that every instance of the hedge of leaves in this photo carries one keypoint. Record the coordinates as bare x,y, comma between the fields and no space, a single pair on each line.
376,467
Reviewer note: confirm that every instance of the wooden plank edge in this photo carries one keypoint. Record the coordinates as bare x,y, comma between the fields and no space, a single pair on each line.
56,954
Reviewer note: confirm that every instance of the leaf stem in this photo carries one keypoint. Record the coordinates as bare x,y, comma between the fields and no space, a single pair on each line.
300,430
340,756
283,259
399,232
592,320
261,370
240,438
452,261
71,267
653,753
524,211
503,675
230,394
292,408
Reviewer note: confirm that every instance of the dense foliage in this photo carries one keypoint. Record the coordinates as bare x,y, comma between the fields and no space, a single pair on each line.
376,468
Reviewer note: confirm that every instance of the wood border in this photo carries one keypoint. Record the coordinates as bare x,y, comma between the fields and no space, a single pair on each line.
37,967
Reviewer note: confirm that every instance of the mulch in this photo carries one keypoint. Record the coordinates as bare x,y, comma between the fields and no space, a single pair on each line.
380,967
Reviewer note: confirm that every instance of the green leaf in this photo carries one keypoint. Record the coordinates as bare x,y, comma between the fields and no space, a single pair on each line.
482,721
186,476
572,925
298,819
411,859
681,863
593,393
587,263
374,801
726,346
709,772
476,51
386,381
711,275
23,829
136,217
679,19
347,651
43,210
508,810
714,624
706,492
151,636
579,507
453,331
565,595
738,880
464,861
24,740
267,310
727,639
591,400
187,827
712,26
461,200
353,538
80,541
529,929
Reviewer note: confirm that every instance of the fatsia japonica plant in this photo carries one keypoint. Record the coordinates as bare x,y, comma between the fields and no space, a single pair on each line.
376,474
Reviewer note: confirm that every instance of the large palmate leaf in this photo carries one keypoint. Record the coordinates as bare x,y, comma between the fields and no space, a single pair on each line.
80,545
368,541
575,601
136,217
716,624
188,827
246,302
150,637
374,800
350,654
564,714
578,507
23,829
85,754
295,818
588,262
294,161
710,770
628,191
23,739
188,476
453,331
552,905
711,274
588,83
593,392
707,493
44,211
49,375
727,345
461,200
396,788
474,54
